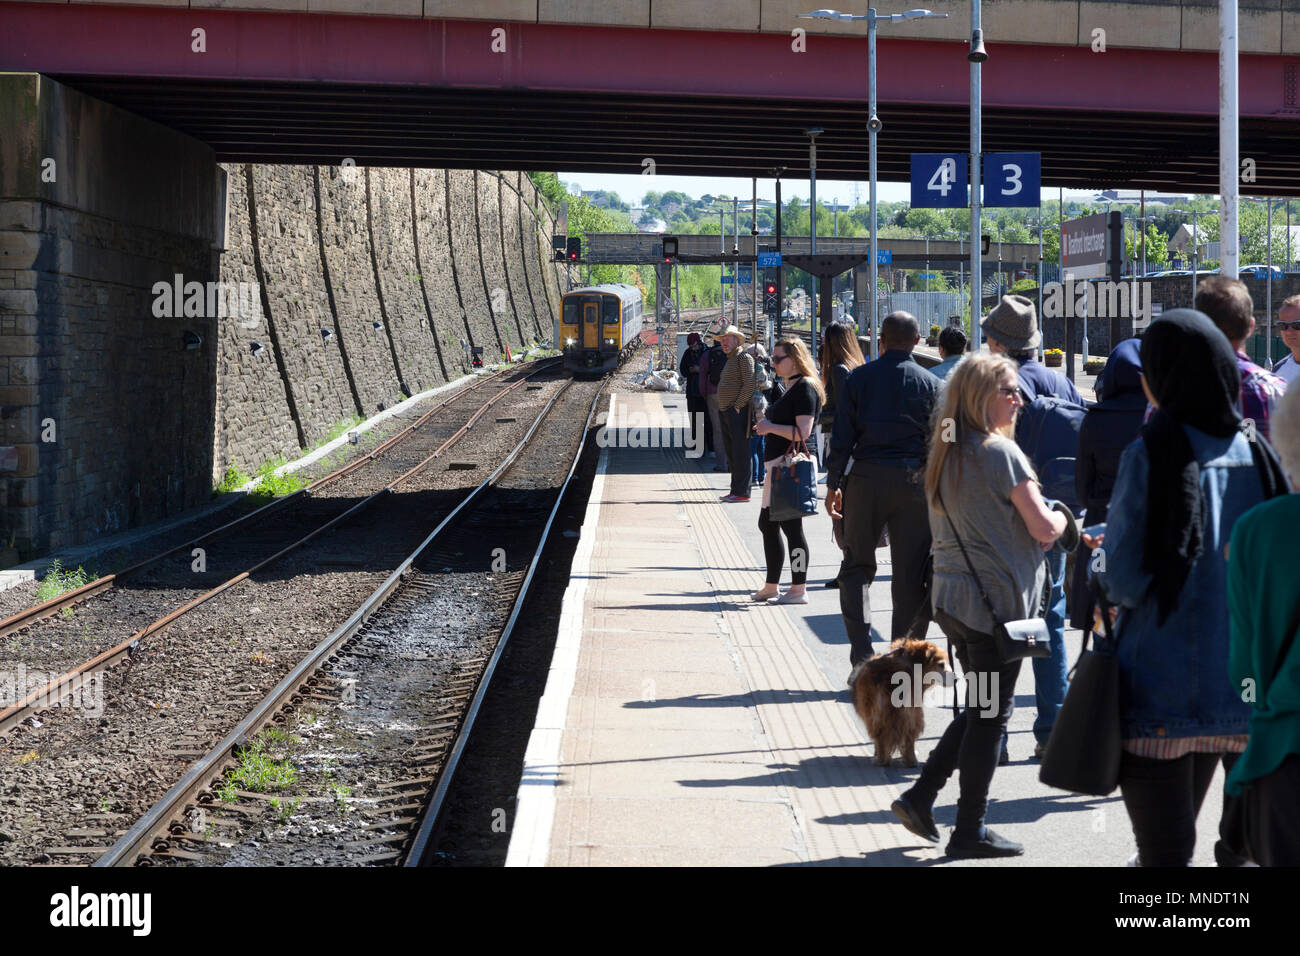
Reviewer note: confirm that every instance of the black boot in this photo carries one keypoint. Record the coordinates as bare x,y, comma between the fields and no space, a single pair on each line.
987,845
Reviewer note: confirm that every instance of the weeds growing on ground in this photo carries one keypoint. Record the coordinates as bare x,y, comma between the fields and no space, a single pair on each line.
258,771
283,811
271,485
58,581
232,480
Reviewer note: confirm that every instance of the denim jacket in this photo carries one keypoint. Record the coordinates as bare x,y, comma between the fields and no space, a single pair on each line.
1174,676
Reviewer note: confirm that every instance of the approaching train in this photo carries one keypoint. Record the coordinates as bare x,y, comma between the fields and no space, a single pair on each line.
598,326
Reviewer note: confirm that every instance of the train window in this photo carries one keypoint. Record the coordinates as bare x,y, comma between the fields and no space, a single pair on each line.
611,310
571,311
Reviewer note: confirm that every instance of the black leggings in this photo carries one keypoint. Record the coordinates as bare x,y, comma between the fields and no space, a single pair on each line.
1163,798
797,543
972,741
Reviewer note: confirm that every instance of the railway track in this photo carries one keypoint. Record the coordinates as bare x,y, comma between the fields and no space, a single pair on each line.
406,674
330,561
52,637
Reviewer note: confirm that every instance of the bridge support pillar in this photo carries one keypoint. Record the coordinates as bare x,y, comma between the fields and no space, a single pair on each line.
110,231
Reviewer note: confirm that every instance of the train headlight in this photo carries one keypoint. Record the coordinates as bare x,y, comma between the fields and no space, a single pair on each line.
609,341
570,341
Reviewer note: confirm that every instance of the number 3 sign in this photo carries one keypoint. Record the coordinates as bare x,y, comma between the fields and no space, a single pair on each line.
940,180
1012,179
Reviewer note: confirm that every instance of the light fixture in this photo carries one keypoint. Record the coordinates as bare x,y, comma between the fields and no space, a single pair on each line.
326,334
376,325
192,340
257,348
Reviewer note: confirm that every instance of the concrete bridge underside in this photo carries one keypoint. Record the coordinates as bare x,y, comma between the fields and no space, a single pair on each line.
304,87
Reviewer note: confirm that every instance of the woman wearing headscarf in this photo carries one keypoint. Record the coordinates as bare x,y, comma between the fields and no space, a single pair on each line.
1107,430
1179,491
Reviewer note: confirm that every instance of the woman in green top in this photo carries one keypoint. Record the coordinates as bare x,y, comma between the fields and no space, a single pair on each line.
1264,659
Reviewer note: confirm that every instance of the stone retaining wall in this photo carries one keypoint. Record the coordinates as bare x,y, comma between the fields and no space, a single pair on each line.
400,265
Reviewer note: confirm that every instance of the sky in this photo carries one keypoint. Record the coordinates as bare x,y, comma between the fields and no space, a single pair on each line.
631,188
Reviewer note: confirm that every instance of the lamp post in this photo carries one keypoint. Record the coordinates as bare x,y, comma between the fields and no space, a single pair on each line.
873,121
1039,223
812,134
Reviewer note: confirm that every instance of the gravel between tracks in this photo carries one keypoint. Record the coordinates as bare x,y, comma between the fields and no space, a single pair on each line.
176,694
52,646
350,759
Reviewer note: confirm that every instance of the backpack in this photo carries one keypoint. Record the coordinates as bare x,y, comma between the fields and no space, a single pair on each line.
1047,431
717,359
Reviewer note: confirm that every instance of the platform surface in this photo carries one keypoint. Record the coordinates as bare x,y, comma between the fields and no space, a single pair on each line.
683,724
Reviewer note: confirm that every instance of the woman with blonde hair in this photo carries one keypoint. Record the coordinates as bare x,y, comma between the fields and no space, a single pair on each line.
982,491
788,419
841,354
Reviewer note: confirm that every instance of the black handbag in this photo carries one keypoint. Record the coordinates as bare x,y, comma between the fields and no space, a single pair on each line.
1083,753
1016,640
794,484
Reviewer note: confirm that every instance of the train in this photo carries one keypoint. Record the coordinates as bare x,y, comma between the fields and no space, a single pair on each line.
598,326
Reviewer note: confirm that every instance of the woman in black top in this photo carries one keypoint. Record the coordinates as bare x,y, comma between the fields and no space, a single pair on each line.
793,414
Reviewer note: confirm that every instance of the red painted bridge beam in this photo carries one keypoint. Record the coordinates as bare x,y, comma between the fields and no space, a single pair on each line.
332,48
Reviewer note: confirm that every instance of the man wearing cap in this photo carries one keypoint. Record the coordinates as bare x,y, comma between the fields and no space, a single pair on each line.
735,389
873,481
1011,329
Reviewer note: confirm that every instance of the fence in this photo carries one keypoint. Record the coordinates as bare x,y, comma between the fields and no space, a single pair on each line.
930,308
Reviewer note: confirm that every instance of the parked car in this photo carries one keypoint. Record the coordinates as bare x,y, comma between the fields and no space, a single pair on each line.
1260,270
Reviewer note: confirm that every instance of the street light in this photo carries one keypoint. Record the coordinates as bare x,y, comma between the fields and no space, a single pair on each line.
812,133
873,121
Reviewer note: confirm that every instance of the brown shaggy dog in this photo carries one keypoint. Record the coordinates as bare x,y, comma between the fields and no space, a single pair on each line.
878,693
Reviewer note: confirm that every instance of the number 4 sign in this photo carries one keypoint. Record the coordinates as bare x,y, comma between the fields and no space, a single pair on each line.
940,180
1012,179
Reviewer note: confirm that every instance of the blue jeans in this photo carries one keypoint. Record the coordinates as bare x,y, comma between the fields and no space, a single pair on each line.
1050,672
756,458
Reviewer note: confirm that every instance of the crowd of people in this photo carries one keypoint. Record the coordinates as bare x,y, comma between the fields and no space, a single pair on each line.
1182,472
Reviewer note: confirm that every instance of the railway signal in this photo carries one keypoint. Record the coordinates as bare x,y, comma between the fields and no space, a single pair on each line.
670,248
558,244
771,301
575,248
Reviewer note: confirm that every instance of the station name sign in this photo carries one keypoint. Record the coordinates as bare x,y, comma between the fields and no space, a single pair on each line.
1083,241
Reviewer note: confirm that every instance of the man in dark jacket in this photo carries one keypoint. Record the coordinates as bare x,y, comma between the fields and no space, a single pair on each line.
874,469
1107,430
1012,330
696,406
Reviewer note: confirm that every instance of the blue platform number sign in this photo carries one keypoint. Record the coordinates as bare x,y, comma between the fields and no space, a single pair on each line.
1012,179
940,181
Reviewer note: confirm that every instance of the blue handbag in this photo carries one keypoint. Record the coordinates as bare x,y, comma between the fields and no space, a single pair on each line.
794,485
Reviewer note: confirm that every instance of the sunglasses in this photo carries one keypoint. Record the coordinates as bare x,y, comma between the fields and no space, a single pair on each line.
1288,326
779,358
1008,391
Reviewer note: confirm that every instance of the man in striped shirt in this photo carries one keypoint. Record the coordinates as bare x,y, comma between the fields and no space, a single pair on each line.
1228,304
